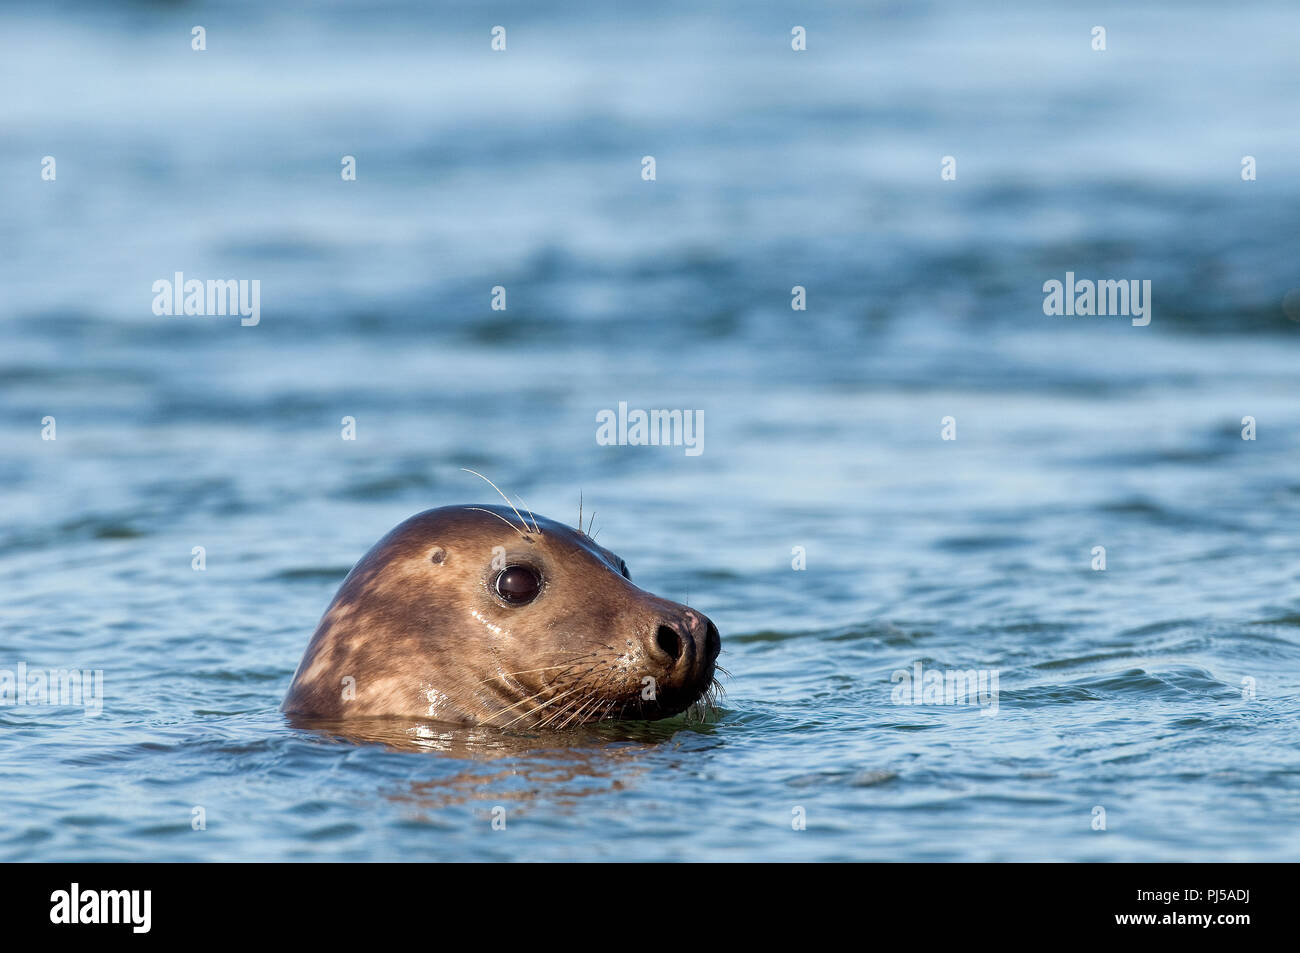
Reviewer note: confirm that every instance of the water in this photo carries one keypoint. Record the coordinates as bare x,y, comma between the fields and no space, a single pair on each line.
1121,689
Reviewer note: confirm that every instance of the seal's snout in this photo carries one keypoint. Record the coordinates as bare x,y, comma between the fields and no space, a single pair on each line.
671,642
690,640
704,634
712,642
681,648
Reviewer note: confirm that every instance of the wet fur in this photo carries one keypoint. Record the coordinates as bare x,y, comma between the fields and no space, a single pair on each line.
423,635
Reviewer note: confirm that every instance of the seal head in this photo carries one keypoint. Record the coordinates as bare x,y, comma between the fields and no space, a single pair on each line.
458,615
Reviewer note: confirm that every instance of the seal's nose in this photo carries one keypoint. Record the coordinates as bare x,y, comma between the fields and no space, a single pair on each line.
670,642
712,641
688,637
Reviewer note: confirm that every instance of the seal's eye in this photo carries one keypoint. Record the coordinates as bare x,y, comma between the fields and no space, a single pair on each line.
518,585
622,567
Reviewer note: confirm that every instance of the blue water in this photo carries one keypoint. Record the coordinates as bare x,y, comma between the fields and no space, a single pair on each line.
1164,690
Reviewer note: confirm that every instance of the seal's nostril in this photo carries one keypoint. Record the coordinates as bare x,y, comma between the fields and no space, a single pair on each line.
712,642
669,641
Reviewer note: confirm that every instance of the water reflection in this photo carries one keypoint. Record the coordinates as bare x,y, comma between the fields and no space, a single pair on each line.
516,766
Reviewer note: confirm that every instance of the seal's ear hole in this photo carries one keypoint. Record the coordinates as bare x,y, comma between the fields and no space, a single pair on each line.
518,585
437,555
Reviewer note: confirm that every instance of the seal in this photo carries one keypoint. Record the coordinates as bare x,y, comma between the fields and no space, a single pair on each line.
473,615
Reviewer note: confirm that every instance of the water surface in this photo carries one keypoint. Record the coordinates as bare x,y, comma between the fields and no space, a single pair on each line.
1125,689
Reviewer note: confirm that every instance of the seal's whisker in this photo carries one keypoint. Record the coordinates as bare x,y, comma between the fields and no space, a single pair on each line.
578,717
551,701
579,511
568,667
526,671
571,706
537,528
561,725
529,671
533,711
498,489
576,714
522,701
501,518
706,705
555,714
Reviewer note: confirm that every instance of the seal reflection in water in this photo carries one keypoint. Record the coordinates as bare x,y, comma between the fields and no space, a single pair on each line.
474,615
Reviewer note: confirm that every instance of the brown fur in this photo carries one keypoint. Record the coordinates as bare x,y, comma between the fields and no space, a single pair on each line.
420,630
